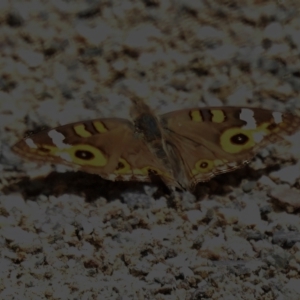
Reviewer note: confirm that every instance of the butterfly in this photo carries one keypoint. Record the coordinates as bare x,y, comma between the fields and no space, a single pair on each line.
182,147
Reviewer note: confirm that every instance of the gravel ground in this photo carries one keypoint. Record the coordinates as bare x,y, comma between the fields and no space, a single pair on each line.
67,235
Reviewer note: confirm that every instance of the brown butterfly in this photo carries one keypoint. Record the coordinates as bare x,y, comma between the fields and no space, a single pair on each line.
183,147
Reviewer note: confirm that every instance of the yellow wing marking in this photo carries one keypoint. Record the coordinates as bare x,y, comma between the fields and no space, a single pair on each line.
218,115
123,167
196,116
100,127
81,131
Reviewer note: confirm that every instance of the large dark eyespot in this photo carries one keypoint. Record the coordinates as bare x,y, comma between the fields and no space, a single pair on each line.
239,139
84,154
203,165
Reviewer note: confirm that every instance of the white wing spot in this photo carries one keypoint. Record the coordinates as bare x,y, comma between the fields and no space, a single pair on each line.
30,143
57,139
258,136
65,156
247,116
277,117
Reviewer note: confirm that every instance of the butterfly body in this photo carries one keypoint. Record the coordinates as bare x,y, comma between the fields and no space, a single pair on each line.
182,147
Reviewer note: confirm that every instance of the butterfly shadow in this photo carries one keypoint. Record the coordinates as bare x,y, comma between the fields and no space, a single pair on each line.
223,184
91,187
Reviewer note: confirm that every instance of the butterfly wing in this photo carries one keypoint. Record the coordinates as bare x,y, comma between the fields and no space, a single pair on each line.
207,142
108,147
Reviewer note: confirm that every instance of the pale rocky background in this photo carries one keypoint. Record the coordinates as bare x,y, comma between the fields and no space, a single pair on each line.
72,236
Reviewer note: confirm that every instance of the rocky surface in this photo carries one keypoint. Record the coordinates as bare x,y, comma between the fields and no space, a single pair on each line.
67,235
